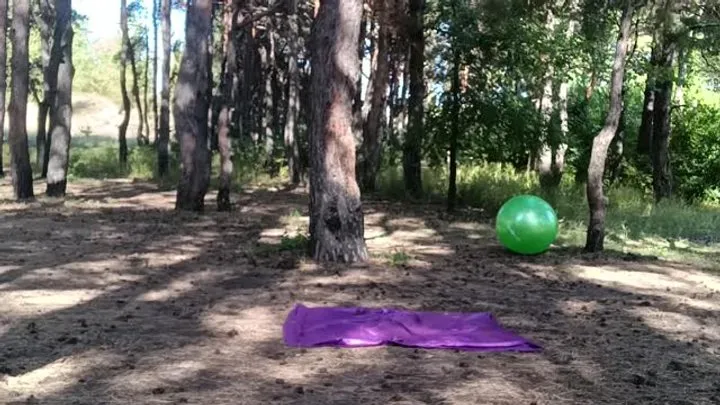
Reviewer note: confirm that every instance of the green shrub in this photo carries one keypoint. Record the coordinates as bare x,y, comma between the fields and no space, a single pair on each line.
97,163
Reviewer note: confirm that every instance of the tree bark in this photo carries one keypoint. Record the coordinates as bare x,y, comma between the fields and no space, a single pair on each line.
3,76
267,61
412,148
545,106
682,58
226,103
660,142
292,148
454,133
336,216
617,146
146,82
596,198
191,109
373,128
61,120
163,144
156,119
122,136
46,22
648,114
20,168
135,89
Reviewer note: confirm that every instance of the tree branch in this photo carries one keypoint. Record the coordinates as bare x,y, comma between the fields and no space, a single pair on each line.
243,22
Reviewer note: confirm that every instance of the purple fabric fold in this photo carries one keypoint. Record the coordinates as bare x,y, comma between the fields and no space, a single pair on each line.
364,327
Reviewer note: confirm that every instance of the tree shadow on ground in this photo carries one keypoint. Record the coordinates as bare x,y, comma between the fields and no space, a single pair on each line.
123,305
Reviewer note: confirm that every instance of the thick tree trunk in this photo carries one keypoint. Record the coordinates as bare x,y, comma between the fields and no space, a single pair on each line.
292,148
163,144
596,198
454,133
646,123
46,22
660,143
136,95
225,112
3,76
373,128
336,216
412,148
61,120
124,52
191,109
20,168
156,118
358,99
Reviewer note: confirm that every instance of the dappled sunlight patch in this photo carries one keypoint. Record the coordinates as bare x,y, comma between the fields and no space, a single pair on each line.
616,278
678,326
488,387
7,269
23,303
61,374
250,325
272,236
576,307
180,286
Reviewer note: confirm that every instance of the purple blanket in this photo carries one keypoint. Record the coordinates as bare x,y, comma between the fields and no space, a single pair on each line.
362,327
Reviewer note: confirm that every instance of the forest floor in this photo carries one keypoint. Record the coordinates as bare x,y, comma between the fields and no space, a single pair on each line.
113,298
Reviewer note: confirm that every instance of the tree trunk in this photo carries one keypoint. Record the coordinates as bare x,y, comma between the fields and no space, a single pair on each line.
412,148
163,144
373,128
267,60
3,76
660,156
682,57
336,216
124,52
20,168
648,114
292,148
596,198
61,120
46,22
545,155
191,109
560,148
358,99
136,94
156,119
225,112
454,133
617,146
146,82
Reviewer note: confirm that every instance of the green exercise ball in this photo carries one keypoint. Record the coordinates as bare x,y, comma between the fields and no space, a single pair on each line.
526,224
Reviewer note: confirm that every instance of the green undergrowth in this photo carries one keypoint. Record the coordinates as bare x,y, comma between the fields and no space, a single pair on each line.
673,229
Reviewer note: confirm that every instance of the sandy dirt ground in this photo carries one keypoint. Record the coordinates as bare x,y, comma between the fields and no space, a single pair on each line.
113,298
